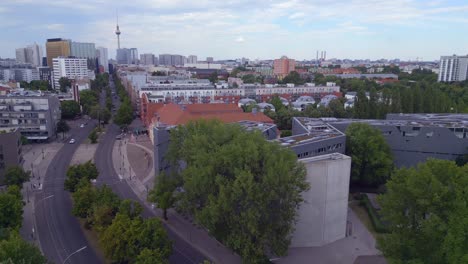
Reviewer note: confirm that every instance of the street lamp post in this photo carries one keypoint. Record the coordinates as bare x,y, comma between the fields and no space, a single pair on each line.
83,248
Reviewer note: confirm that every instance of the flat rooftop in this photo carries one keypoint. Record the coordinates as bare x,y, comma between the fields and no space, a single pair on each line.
252,125
458,121
317,130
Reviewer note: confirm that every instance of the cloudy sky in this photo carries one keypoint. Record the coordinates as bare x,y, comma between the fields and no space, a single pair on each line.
262,29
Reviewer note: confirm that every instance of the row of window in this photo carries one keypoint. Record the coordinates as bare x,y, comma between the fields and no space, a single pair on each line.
320,151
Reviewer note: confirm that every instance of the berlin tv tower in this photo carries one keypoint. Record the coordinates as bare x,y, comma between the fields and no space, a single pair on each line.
117,32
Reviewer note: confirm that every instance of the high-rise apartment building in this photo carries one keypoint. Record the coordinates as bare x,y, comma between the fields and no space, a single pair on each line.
72,68
147,59
55,48
192,59
453,68
283,66
32,54
133,56
171,60
103,58
123,56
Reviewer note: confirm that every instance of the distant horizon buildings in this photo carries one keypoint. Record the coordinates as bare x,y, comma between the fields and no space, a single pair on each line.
283,66
171,60
127,56
453,68
30,54
148,59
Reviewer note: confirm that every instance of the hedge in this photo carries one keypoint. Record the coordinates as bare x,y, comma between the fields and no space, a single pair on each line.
376,222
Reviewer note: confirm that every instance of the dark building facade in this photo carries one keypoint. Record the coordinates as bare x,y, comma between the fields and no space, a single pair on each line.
10,151
414,138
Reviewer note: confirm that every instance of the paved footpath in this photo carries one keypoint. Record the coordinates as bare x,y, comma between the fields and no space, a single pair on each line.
37,158
133,161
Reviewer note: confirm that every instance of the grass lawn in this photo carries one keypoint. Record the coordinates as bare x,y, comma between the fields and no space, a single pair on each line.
93,240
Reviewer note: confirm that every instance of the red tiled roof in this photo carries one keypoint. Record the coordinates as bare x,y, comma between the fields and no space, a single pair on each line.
172,114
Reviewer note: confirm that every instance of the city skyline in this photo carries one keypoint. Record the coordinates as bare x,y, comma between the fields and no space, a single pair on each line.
264,29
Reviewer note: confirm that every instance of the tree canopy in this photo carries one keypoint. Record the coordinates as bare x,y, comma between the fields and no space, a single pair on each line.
427,211
75,173
88,99
15,175
70,109
124,114
11,209
62,127
372,161
64,84
99,113
242,188
16,250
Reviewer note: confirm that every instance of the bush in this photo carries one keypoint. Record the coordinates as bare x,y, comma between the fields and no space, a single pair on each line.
373,215
93,136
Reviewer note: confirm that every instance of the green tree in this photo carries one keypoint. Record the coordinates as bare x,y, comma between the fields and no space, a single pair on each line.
249,78
361,105
11,208
276,102
427,211
124,115
93,136
372,161
100,114
65,83
70,109
126,237
15,175
16,250
104,209
163,192
213,77
130,208
242,188
337,109
148,256
293,77
83,198
88,99
62,127
75,173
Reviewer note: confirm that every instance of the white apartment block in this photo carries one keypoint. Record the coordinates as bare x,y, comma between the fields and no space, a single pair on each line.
72,68
453,68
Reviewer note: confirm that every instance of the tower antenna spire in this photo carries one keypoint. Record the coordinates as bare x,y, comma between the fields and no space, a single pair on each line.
117,30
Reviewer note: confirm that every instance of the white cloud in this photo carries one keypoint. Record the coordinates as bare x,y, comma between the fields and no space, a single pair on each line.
55,27
240,39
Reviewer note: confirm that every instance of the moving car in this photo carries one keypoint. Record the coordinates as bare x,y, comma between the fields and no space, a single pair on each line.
82,125
118,137
72,141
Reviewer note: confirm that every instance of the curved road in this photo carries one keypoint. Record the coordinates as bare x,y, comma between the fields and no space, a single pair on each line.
59,231
182,251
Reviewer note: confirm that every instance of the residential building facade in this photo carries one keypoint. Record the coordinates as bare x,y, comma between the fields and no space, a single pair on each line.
283,66
10,150
34,115
72,68
147,59
453,68
83,50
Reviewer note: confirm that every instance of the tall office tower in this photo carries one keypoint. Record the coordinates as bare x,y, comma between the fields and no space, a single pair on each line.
31,54
453,68
21,55
103,58
283,66
72,68
147,59
133,56
192,59
123,56
83,50
57,47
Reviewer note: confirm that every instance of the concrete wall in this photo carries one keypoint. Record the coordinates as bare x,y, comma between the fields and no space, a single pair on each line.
322,217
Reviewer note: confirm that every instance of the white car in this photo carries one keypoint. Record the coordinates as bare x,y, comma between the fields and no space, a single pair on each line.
72,141
82,125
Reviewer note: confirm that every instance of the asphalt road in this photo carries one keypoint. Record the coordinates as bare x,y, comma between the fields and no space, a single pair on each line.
59,231
182,251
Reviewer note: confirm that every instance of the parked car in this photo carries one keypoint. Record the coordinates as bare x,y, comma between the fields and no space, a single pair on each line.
82,125
118,137
72,141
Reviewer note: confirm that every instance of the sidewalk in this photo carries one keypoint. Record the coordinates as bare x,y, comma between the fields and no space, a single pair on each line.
136,167
37,158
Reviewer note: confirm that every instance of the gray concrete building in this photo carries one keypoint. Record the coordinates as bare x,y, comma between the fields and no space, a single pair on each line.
83,50
33,114
453,68
321,218
10,150
414,138
171,60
